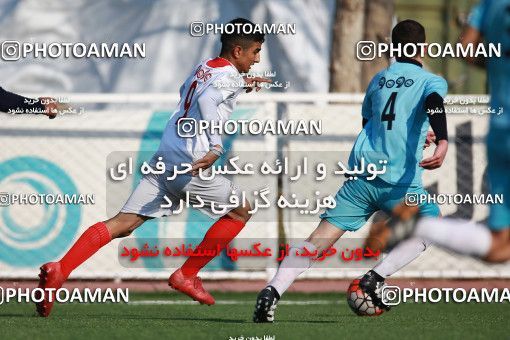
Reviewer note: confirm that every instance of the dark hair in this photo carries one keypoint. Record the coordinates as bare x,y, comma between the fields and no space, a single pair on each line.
238,36
408,32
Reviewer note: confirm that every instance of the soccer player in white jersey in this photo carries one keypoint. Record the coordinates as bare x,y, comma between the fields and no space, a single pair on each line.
201,99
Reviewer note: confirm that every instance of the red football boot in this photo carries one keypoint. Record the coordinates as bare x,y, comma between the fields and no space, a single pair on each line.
191,286
50,277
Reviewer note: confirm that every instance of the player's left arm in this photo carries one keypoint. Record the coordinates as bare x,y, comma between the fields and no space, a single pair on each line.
434,106
12,101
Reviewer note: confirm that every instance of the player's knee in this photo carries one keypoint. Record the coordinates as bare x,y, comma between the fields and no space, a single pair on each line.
495,256
246,212
122,226
120,231
128,229
499,247
499,239
122,234
240,214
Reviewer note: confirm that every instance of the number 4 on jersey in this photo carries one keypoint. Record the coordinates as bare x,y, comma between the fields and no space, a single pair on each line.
390,117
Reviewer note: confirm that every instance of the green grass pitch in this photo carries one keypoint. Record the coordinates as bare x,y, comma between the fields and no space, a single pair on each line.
324,316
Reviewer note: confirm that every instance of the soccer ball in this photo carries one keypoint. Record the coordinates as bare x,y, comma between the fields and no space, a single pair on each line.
361,303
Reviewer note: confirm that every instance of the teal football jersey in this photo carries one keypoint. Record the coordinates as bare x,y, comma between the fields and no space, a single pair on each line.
492,19
397,122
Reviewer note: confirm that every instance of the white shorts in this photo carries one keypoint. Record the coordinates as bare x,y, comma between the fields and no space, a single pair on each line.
148,196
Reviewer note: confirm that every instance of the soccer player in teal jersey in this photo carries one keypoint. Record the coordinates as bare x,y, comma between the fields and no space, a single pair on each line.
490,20
395,125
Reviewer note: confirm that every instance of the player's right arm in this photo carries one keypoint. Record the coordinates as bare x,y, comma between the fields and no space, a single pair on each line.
13,102
435,90
366,107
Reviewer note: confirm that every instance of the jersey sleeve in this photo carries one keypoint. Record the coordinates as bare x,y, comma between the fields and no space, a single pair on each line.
12,101
208,103
366,107
436,84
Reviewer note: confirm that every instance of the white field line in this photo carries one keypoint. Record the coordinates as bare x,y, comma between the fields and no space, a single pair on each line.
233,302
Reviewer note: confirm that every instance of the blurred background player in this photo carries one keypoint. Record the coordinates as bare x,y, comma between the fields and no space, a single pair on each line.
395,125
12,102
201,99
491,242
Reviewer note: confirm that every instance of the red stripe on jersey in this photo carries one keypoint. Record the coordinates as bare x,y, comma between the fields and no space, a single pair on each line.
218,62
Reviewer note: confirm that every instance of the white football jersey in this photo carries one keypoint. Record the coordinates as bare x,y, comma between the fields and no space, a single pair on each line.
221,82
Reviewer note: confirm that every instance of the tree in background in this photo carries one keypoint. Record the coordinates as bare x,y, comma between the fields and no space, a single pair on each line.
357,20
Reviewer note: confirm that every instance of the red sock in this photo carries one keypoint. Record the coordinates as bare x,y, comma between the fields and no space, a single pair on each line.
221,232
89,242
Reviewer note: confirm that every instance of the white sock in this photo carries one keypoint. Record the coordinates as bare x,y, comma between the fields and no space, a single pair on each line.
461,236
405,252
291,267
